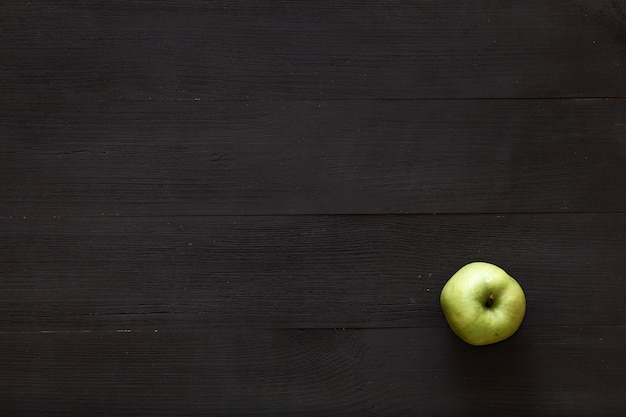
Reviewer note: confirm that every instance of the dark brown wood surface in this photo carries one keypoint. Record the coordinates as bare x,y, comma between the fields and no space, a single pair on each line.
314,157
239,208
347,49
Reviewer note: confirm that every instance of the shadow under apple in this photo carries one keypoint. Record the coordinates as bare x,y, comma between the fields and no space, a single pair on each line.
493,380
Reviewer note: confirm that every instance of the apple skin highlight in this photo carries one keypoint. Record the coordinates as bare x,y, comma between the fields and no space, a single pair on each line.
483,304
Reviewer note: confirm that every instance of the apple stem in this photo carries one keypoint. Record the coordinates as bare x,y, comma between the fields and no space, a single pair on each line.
490,300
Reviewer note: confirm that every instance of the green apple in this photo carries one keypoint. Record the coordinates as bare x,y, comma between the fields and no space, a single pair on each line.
483,304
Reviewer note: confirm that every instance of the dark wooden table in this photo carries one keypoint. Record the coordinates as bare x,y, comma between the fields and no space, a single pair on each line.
241,208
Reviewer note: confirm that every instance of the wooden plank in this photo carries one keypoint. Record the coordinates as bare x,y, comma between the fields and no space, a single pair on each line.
192,49
300,271
549,371
318,157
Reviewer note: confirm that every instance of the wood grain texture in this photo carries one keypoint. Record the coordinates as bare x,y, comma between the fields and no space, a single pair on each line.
382,372
299,271
226,208
192,49
318,157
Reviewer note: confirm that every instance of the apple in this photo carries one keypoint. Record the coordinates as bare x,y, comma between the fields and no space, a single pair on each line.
483,304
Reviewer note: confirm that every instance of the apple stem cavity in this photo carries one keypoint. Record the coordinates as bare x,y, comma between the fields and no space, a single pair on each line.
489,302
